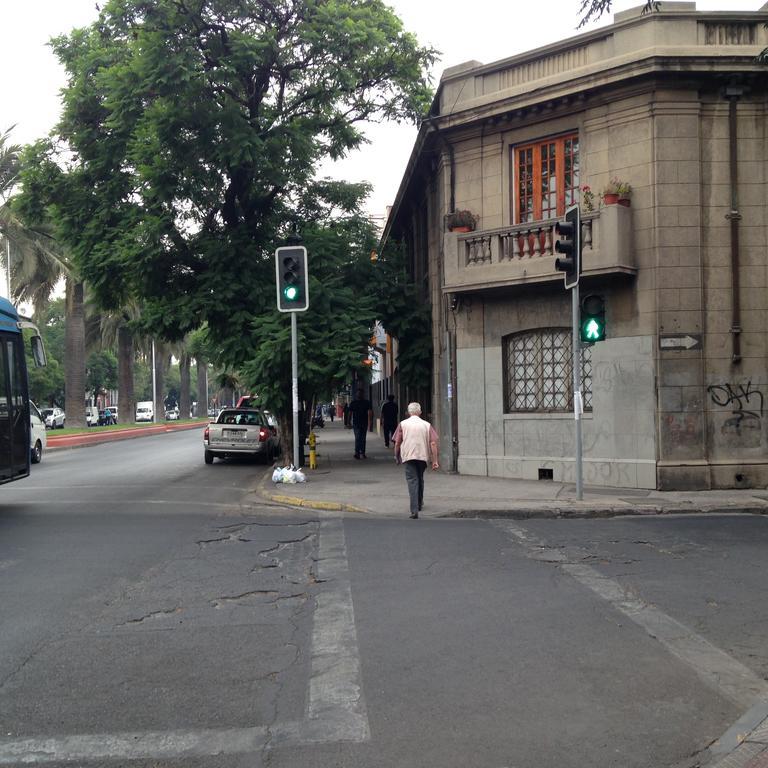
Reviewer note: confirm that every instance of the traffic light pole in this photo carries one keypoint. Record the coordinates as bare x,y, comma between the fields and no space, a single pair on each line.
578,404
295,387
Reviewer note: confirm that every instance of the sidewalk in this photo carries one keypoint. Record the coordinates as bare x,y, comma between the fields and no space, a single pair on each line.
376,485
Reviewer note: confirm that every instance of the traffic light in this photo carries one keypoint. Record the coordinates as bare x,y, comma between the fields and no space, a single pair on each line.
569,245
592,320
291,274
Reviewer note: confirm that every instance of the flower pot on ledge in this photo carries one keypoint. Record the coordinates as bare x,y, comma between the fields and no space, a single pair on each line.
610,198
461,229
625,201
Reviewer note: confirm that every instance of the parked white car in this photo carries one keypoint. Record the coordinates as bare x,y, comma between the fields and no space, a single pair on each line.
145,411
54,418
37,438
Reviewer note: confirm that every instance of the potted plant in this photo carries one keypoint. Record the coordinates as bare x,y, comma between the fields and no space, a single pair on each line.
587,198
461,221
617,191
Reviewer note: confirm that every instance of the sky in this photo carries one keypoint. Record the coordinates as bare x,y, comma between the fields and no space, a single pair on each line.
483,30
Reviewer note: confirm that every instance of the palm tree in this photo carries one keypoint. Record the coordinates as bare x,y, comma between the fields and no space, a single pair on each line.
198,348
38,265
113,330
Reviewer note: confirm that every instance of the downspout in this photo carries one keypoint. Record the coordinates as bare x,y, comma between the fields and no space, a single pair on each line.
732,93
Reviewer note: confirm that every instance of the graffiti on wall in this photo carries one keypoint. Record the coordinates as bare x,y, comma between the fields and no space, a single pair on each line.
746,404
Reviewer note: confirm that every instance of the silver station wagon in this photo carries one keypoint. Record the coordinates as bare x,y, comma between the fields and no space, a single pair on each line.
240,432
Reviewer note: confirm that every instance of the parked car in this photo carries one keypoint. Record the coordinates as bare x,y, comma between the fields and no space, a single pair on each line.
37,439
91,415
53,417
172,414
145,411
240,432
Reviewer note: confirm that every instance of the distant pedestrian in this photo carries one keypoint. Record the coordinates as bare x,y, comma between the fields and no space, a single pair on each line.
361,414
415,444
389,418
345,414
331,411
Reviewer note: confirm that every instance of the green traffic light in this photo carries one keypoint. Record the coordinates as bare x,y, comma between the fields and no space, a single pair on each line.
291,293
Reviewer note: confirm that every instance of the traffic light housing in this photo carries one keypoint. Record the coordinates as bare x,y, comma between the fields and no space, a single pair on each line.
569,244
592,319
291,278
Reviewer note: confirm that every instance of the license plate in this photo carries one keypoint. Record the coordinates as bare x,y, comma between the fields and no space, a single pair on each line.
234,435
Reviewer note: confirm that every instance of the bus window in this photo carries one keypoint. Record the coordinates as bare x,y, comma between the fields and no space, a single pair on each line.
18,414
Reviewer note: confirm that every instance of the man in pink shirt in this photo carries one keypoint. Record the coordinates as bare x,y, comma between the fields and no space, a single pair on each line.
415,445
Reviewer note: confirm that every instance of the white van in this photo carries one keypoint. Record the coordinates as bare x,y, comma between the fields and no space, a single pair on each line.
91,415
145,411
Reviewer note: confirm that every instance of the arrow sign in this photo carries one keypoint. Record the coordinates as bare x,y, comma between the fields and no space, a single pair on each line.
686,341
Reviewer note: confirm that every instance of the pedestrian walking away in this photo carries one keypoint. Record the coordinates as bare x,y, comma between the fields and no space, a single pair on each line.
415,444
361,415
389,418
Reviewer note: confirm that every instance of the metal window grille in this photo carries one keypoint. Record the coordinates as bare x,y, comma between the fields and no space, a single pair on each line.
538,371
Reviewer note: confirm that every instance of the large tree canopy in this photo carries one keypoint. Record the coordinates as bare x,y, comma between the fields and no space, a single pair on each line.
189,129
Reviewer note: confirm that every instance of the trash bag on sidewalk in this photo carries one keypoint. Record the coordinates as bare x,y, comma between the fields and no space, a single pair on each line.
288,475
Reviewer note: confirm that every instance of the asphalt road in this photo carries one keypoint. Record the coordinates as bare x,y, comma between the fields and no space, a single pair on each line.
155,612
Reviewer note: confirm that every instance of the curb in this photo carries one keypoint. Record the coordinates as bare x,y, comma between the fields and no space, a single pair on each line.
297,501
552,513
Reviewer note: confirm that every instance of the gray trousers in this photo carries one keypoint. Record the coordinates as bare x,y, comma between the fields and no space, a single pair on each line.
414,477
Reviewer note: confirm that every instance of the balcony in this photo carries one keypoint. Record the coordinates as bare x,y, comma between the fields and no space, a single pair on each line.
525,253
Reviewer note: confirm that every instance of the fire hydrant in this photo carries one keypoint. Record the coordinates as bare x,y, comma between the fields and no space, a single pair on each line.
312,452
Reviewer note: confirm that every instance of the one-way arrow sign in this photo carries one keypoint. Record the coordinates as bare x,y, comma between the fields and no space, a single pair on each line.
687,341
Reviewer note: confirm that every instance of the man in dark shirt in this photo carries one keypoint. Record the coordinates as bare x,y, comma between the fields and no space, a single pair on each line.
361,414
389,418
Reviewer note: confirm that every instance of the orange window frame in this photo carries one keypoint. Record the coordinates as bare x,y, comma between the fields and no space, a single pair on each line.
531,155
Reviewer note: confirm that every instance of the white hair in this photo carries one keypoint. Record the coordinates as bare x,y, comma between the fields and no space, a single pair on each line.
414,409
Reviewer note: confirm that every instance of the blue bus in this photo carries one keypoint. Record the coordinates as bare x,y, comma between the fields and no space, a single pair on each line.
14,392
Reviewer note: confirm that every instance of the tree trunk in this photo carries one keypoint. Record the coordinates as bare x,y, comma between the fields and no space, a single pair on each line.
185,404
159,380
125,397
74,345
286,438
202,387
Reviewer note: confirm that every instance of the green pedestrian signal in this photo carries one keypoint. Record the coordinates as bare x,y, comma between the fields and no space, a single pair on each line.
592,322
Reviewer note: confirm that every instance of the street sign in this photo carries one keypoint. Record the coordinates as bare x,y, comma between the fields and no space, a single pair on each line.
680,341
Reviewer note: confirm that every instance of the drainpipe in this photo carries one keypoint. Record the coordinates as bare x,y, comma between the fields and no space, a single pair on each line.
732,93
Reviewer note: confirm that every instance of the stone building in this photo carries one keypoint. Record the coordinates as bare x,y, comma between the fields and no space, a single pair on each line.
673,103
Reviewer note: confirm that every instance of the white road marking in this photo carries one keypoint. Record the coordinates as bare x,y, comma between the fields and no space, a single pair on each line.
336,708
714,667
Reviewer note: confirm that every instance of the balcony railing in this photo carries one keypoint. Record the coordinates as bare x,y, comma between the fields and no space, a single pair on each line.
524,253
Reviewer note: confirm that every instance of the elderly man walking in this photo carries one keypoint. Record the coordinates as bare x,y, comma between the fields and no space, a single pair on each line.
415,445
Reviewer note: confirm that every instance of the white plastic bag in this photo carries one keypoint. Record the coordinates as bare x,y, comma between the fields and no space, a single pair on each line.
288,475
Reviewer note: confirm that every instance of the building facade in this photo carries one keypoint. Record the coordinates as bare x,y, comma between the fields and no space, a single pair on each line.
673,103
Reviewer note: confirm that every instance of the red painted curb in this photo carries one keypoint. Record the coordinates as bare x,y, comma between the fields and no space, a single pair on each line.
84,438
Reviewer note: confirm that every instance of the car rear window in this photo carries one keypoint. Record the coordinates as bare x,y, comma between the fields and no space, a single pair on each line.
246,418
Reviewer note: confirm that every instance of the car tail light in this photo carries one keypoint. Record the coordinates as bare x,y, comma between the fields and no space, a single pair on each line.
206,434
263,434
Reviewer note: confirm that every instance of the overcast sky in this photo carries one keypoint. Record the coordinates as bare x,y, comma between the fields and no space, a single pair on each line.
485,30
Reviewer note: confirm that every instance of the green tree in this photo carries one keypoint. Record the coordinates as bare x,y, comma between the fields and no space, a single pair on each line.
46,385
101,371
192,126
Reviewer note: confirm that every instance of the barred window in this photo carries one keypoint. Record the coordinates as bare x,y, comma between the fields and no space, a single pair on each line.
538,371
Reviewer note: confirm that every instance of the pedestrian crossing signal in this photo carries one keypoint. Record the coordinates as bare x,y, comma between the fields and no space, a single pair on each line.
592,319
